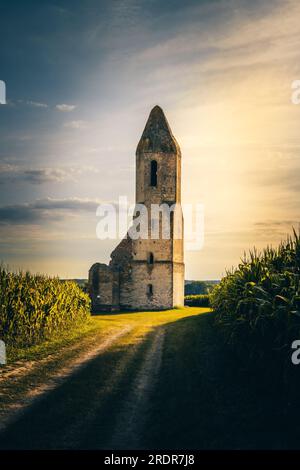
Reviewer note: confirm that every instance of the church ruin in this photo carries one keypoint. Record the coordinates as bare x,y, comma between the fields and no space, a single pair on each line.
147,274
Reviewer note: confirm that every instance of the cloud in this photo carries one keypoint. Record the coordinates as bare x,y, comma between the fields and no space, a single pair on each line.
73,204
66,108
221,70
276,223
46,175
10,173
47,209
79,125
275,228
7,168
251,52
35,104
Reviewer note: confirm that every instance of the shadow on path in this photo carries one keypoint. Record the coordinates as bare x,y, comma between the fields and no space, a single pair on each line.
178,388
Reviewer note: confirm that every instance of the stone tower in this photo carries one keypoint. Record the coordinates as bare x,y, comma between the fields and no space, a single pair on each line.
148,273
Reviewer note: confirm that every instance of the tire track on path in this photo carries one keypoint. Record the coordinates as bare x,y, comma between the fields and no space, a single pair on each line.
14,411
131,419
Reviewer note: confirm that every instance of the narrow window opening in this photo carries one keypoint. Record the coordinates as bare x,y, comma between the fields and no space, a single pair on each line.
150,289
153,179
151,258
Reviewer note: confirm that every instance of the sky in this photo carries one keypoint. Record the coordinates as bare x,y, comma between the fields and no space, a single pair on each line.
81,78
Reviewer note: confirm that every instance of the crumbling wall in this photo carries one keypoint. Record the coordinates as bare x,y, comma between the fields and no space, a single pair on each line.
100,287
134,286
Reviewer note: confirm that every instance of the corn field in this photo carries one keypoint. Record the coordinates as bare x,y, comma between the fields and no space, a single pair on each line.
257,305
36,307
198,300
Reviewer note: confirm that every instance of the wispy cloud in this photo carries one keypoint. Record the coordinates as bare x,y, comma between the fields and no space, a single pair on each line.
221,70
45,210
65,108
78,125
35,104
9,173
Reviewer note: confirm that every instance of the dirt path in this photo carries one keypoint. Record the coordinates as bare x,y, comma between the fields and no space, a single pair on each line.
135,377
152,385
129,426
13,411
122,393
100,400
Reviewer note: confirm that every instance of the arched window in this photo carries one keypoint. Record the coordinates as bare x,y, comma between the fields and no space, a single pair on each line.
153,176
150,289
151,258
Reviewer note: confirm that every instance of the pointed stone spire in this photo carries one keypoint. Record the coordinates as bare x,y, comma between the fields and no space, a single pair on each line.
157,136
